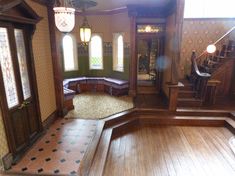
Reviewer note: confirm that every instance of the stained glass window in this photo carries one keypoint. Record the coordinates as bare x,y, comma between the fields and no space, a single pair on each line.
118,52
7,69
150,28
21,54
96,53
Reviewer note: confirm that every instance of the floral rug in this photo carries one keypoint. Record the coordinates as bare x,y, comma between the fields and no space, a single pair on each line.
98,105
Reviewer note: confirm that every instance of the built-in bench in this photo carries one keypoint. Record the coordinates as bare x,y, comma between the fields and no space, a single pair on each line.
78,85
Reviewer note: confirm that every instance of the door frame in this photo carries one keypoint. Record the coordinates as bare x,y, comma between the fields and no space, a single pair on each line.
18,14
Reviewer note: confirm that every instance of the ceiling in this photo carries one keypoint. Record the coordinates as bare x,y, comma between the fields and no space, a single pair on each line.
114,4
106,5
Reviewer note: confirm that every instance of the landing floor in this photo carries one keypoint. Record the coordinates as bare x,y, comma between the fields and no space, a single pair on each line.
171,150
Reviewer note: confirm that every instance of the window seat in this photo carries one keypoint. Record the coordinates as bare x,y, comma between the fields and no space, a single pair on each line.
78,85
112,86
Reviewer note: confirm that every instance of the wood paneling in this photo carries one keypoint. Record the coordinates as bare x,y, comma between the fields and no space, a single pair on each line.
162,150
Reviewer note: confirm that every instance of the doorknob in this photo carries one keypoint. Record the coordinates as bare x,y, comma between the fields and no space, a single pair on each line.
22,106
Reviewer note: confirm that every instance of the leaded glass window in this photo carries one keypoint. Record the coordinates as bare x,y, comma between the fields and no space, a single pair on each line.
96,53
7,69
118,52
21,54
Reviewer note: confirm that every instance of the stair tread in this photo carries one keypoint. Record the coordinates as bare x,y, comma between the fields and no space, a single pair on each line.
189,99
187,91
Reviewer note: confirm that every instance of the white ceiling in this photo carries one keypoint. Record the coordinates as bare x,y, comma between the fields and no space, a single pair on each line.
113,4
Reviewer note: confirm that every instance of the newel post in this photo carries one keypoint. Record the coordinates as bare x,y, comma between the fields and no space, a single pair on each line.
173,95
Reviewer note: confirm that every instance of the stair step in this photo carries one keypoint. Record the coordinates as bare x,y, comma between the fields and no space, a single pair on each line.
187,86
186,93
99,161
189,102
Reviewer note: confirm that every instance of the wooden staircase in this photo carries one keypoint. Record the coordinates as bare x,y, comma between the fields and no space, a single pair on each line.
187,96
208,69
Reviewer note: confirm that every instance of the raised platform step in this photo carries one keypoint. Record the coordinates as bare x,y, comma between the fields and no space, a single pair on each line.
101,154
186,93
187,87
189,102
202,112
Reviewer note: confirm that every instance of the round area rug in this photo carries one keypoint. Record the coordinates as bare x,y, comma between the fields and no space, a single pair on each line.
98,105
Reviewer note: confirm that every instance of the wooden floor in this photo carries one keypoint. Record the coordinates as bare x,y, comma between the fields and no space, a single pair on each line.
171,150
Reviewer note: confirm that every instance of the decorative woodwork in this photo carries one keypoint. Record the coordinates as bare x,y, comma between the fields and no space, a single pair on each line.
22,122
173,95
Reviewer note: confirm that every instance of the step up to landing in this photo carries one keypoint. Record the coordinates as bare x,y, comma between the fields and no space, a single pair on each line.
186,94
189,102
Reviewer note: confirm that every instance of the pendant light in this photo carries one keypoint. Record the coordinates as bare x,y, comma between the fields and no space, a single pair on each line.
85,31
64,16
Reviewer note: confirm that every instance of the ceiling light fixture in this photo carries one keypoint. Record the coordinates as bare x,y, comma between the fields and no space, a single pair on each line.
85,31
64,16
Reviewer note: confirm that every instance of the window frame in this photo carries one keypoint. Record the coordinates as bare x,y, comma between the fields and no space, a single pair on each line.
115,52
75,54
102,54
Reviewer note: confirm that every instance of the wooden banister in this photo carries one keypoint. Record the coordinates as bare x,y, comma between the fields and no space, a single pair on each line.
215,43
198,79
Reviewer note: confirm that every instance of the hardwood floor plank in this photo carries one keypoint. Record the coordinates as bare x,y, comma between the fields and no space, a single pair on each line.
171,150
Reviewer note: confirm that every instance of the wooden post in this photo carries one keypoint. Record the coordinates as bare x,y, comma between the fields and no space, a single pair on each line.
57,68
133,61
173,95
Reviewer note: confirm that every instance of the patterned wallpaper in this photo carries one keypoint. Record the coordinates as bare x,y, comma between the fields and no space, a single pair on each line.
197,34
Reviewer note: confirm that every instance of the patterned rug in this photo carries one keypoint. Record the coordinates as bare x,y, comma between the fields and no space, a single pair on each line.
98,105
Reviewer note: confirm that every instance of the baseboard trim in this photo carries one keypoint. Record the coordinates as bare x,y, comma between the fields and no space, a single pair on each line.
7,161
50,120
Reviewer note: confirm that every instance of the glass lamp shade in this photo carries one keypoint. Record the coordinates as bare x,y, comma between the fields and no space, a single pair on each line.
211,48
85,34
64,18
85,31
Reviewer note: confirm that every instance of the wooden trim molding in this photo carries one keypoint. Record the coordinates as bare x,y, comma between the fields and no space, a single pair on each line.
57,66
173,95
50,120
7,161
133,61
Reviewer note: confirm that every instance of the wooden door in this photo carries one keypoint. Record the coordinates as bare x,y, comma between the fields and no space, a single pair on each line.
18,99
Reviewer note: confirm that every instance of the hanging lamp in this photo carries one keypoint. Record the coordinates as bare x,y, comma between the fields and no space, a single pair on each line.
85,31
64,16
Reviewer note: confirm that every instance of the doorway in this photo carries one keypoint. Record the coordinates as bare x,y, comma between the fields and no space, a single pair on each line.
19,102
150,49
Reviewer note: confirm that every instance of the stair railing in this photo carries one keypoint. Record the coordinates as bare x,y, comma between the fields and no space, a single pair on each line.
198,78
200,59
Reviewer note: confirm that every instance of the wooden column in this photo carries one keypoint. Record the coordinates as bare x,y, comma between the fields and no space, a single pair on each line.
57,67
133,61
173,95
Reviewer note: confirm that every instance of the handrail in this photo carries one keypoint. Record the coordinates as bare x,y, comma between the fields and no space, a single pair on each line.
217,41
201,74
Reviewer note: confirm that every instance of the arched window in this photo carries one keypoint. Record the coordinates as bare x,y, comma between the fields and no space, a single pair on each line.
118,53
70,53
96,53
